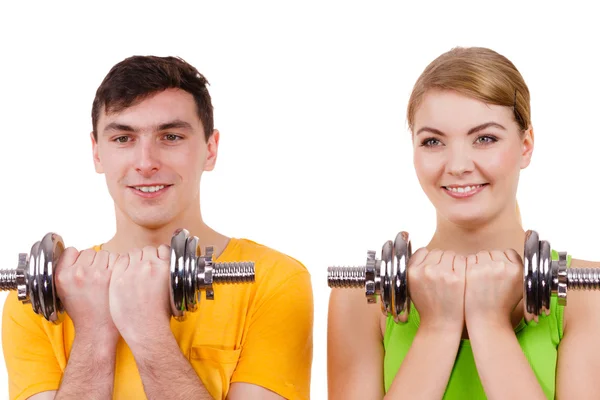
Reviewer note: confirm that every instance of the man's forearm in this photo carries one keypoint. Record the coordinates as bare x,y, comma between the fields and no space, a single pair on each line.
499,359
90,370
165,372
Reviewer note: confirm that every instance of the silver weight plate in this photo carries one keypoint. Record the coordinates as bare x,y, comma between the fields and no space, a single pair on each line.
530,266
177,286
33,278
402,253
191,258
50,250
545,278
387,257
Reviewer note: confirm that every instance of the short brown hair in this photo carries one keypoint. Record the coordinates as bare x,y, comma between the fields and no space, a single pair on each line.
479,73
138,77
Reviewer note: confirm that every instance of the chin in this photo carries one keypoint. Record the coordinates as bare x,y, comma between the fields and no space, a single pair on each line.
152,220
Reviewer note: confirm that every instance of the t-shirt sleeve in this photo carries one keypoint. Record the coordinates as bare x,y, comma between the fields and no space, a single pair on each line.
28,354
278,347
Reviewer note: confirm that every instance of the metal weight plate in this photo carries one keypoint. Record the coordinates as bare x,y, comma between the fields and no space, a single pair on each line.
530,267
32,278
545,278
49,252
385,272
402,253
177,286
191,257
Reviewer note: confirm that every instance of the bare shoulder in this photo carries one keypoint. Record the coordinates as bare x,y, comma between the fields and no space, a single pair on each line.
581,309
579,263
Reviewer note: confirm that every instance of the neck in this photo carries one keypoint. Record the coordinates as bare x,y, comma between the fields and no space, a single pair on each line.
501,233
130,235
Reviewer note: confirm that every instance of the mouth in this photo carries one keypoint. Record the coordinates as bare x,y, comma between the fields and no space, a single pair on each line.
462,191
150,191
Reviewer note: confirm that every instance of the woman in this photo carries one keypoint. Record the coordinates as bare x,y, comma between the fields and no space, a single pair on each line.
469,117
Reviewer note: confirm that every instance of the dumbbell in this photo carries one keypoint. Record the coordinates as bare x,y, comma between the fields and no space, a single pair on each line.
191,272
387,277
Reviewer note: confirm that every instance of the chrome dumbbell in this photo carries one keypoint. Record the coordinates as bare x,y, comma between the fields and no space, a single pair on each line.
191,272
387,277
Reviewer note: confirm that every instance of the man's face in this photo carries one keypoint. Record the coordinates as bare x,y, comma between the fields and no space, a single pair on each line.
153,155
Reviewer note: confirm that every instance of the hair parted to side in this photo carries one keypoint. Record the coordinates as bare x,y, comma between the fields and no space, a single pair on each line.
138,77
479,73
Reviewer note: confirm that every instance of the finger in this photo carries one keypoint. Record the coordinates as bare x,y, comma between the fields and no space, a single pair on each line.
120,266
164,252
433,257
112,260
149,253
68,257
460,265
135,255
86,257
447,260
101,259
497,255
513,256
471,259
484,257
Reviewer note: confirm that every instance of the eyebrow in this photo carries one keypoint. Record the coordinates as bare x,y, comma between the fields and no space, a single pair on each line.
175,124
470,132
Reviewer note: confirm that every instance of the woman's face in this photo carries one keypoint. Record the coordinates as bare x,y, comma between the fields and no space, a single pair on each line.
468,156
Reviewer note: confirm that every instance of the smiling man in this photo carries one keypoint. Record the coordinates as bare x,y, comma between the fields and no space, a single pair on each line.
153,138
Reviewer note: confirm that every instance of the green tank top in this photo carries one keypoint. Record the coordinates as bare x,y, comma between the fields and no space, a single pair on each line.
539,342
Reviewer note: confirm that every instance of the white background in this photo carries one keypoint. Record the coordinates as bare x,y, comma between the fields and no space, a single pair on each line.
315,157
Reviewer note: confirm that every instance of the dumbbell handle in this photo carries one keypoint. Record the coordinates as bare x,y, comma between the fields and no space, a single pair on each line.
356,277
222,273
191,273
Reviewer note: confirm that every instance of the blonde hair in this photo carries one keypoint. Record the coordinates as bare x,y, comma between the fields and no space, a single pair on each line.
479,73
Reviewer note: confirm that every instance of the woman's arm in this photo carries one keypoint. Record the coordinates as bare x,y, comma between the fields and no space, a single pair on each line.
578,370
354,347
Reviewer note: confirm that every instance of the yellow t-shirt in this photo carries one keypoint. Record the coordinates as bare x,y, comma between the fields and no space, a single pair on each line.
259,333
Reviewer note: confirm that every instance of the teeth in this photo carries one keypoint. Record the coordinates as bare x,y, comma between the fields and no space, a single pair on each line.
465,189
149,189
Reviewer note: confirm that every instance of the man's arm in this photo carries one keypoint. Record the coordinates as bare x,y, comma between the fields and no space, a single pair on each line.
165,371
90,371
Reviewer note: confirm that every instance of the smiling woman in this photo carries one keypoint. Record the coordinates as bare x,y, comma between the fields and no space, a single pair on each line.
466,335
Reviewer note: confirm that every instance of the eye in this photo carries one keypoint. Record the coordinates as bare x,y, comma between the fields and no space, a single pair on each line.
172,137
430,142
486,139
122,139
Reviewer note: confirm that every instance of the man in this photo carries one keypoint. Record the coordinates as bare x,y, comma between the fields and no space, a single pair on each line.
152,138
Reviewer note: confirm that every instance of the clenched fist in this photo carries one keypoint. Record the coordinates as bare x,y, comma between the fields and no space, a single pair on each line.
82,282
437,288
139,294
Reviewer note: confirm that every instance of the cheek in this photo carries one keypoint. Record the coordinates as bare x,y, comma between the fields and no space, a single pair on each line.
428,166
500,163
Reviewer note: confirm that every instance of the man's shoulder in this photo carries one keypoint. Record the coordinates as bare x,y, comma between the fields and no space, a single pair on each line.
266,259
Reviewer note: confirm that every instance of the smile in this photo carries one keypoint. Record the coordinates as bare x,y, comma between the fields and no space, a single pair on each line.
464,190
149,191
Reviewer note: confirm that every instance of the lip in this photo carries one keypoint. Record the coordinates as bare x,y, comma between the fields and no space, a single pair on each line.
464,195
150,195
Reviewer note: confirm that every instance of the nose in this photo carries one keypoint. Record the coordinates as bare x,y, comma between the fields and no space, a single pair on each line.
147,160
460,161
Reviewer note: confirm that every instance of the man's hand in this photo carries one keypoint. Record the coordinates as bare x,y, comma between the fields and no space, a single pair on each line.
139,294
82,282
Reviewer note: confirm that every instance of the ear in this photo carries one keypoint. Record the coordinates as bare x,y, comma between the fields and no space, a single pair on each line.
212,150
97,163
527,147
